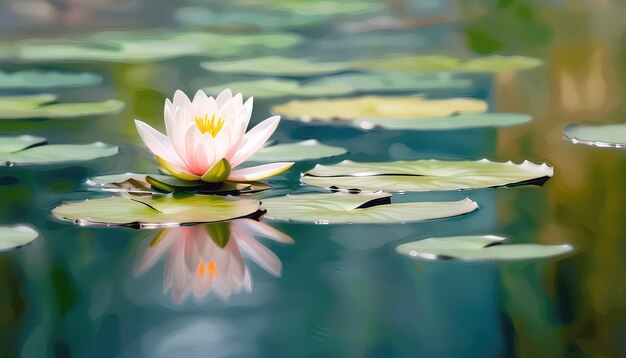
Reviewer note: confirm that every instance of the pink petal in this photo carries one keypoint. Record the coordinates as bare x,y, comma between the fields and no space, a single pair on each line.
223,97
157,142
259,172
257,228
181,99
260,254
254,140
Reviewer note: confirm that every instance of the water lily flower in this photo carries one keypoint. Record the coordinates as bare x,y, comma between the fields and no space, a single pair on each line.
206,138
208,258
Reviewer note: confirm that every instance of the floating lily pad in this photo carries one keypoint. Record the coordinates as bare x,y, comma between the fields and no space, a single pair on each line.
44,106
612,135
276,66
417,63
374,208
200,16
425,175
367,107
315,8
47,79
128,46
478,248
27,150
139,183
456,121
146,211
391,82
12,237
278,87
294,152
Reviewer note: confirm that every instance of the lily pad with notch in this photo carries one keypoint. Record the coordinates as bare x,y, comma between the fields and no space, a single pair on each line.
30,150
606,136
365,208
425,175
12,237
152,211
160,183
45,106
478,248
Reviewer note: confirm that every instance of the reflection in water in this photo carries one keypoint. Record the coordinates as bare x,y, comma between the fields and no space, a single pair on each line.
206,258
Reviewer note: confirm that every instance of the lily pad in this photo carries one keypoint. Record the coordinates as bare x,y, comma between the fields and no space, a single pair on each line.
128,46
478,248
425,175
275,66
28,150
47,79
374,208
316,8
12,237
418,63
139,183
391,82
612,135
44,106
456,121
279,87
200,16
148,211
367,107
294,152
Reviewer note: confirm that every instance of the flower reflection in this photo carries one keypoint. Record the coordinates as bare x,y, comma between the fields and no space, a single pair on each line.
209,258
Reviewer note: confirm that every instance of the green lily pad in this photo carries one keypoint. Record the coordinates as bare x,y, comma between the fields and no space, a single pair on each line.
47,79
27,150
15,144
12,237
425,175
278,87
275,66
147,46
44,106
478,248
316,8
456,121
374,208
328,110
419,63
392,82
148,211
295,152
143,183
612,135
200,16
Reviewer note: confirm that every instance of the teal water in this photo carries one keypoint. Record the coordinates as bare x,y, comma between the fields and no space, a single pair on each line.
343,290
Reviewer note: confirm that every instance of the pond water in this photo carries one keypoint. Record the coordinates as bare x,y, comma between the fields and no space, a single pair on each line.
337,289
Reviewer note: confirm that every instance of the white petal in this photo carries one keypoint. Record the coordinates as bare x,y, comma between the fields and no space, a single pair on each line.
157,142
224,96
181,99
259,172
254,140
260,254
163,241
257,228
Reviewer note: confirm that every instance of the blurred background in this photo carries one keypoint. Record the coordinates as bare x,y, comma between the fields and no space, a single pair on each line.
339,290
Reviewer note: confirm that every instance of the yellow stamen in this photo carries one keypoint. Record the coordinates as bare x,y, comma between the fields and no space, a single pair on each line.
210,267
211,125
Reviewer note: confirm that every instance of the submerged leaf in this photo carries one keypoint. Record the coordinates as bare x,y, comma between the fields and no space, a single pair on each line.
293,152
147,211
12,237
377,107
425,175
276,66
611,135
43,106
364,208
478,248
143,183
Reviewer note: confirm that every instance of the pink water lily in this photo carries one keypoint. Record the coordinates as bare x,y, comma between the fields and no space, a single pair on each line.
209,258
206,138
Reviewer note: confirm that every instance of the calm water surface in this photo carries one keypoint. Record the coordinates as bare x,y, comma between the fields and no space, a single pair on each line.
342,290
